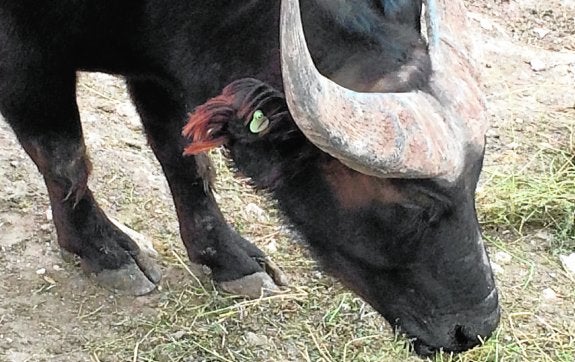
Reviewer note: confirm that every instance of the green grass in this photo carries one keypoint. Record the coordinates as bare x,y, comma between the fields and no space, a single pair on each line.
521,198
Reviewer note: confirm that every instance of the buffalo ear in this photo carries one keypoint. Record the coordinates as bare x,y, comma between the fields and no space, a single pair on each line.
240,101
207,124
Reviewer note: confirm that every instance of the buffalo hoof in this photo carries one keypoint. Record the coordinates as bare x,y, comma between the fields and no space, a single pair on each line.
133,279
279,277
252,286
260,284
139,276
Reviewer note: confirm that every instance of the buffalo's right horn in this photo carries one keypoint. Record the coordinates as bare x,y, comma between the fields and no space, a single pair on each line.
413,135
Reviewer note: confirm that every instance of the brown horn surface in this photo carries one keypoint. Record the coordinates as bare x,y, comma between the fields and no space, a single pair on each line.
381,134
455,78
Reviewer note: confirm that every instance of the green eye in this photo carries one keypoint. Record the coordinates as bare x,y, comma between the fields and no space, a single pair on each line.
259,122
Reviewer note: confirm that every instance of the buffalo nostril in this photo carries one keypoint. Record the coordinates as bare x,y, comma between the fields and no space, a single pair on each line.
465,337
422,349
462,339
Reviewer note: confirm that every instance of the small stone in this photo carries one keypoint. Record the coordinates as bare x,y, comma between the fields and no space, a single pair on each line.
272,247
15,164
513,145
206,270
549,294
257,211
537,65
57,267
127,110
568,263
544,235
255,340
41,271
541,32
502,257
178,335
497,269
46,227
492,132
48,214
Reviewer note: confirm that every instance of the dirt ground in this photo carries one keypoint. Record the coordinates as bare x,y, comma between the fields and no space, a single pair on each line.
49,311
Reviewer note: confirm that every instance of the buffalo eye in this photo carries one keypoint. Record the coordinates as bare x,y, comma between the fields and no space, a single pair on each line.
435,213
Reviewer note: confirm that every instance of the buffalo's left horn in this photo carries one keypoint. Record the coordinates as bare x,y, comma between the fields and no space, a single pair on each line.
411,134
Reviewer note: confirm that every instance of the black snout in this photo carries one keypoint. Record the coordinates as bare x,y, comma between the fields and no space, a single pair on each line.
459,337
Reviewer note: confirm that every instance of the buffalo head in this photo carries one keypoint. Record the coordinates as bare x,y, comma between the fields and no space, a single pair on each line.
380,184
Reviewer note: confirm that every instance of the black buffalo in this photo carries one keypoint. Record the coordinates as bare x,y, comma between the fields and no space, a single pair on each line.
379,174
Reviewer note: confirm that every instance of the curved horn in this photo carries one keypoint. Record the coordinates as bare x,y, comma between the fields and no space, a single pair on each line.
381,134
455,79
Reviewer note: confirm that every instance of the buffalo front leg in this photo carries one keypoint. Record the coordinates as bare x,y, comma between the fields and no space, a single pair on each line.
236,264
45,118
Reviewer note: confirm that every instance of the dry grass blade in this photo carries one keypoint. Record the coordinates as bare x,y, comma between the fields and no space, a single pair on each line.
137,346
322,350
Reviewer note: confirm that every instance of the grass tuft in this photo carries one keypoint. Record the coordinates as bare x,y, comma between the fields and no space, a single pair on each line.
543,199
